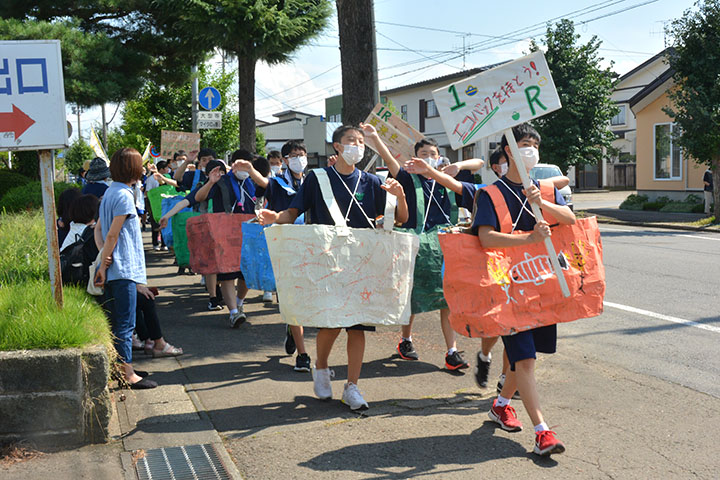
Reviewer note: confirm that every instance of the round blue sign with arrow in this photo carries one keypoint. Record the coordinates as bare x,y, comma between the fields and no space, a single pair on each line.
209,98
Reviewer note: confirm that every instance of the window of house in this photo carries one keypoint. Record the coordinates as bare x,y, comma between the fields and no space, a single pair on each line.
619,119
430,109
668,154
403,112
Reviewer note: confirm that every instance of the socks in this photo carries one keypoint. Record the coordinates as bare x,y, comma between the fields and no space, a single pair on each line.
451,351
502,401
484,358
240,302
541,427
408,339
233,311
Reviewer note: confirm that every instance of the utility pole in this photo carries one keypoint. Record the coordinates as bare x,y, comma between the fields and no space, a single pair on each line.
194,99
78,110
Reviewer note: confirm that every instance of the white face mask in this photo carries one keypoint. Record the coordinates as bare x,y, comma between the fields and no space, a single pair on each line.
352,154
503,169
297,164
530,156
276,169
241,175
433,162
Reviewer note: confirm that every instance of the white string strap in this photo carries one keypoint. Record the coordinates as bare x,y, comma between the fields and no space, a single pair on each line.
353,199
523,205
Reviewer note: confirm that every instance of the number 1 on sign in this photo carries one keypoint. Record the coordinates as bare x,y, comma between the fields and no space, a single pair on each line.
458,103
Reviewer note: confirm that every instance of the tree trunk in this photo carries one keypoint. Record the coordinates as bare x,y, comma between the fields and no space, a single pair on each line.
716,187
246,102
358,59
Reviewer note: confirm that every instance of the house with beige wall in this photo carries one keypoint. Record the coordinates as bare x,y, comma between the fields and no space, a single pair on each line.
663,169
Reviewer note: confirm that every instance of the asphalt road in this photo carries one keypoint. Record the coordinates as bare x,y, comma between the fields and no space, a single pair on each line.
673,278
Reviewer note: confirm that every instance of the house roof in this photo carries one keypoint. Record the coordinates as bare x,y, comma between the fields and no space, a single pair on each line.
646,63
450,77
652,91
288,112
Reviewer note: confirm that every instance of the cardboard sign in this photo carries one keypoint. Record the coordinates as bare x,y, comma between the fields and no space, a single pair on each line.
397,135
32,96
171,142
497,99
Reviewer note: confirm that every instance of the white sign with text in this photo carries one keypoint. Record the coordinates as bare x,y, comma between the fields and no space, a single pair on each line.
32,96
497,99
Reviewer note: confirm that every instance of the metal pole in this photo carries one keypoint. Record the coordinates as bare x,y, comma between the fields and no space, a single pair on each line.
536,211
194,99
78,120
48,193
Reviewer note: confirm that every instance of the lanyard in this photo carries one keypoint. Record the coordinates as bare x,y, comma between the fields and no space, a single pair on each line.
523,205
353,199
432,197
239,190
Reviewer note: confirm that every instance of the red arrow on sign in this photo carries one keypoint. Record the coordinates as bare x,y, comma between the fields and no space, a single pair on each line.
16,121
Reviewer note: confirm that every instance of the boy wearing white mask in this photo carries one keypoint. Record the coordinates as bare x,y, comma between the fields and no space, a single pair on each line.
361,197
280,190
437,212
276,163
521,348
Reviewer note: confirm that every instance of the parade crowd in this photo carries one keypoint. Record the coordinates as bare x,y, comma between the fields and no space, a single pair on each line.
107,217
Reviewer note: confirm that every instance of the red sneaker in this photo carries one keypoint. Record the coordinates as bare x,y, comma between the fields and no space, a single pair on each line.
547,444
505,417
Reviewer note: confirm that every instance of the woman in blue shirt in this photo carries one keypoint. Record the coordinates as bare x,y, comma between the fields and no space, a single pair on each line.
123,258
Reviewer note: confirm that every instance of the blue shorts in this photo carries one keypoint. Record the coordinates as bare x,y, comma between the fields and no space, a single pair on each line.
525,345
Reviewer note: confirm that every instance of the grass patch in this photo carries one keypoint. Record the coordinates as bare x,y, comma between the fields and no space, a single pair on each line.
23,248
30,319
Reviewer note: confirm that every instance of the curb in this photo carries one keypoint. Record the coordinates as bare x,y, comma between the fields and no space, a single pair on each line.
665,225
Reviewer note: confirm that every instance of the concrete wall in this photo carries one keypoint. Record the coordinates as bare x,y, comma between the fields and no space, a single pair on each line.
55,397
691,171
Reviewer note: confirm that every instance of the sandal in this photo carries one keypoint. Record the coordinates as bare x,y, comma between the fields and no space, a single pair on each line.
167,351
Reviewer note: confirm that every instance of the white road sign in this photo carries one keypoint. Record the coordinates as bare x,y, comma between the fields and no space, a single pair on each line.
32,96
209,120
494,100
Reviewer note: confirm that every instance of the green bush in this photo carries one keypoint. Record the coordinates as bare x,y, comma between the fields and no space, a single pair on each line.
29,196
692,198
32,320
680,207
10,180
654,206
634,202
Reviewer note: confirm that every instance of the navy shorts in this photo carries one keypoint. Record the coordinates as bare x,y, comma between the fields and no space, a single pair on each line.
525,345
230,276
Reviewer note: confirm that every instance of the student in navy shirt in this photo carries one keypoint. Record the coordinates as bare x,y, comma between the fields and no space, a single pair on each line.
438,205
521,347
360,209
190,180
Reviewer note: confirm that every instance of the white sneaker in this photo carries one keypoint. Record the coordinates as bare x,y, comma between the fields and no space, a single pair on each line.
202,280
267,297
237,319
321,382
353,398
156,248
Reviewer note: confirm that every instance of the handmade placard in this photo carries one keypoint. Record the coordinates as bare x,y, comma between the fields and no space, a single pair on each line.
397,135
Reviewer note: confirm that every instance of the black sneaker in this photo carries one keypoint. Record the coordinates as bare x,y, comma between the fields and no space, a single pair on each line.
214,304
302,362
219,295
482,370
290,342
455,362
501,382
406,350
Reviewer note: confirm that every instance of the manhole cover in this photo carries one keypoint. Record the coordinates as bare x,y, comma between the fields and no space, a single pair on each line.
191,462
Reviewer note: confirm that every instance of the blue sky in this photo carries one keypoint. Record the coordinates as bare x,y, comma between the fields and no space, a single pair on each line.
631,32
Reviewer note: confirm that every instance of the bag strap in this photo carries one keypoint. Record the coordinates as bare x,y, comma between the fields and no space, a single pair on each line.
196,179
547,192
419,204
389,219
228,203
501,209
329,198
281,181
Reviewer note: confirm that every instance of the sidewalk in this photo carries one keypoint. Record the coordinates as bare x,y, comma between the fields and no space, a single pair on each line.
235,393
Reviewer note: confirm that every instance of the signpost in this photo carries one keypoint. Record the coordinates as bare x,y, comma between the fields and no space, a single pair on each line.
495,101
399,137
209,98
171,142
32,117
209,120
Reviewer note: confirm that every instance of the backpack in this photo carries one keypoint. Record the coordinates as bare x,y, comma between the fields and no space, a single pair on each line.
76,258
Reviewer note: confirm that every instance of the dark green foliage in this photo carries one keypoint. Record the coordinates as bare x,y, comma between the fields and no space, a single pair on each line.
76,155
29,196
27,163
10,180
577,133
634,202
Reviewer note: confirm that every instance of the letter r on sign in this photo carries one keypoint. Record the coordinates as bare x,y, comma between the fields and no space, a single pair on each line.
534,98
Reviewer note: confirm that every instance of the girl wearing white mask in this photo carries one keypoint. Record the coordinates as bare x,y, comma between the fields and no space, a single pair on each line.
361,198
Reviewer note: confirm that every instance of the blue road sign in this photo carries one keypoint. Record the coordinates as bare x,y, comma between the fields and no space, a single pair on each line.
209,98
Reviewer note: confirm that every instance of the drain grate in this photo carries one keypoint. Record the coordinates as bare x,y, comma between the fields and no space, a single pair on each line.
191,462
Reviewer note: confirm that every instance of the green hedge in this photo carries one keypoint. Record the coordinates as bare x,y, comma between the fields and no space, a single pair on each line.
29,196
10,180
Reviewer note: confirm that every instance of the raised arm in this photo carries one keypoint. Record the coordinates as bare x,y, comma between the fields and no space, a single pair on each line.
178,175
184,203
393,187
256,176
471,164
416,165
373,139
164,180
